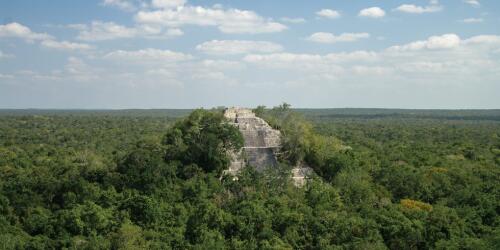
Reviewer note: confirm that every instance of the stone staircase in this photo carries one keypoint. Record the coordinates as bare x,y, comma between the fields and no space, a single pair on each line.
261,158
262,142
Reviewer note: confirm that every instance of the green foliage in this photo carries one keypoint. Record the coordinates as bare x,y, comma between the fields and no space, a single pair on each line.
128,237
296,132
145,169
138,181
203,139
301,144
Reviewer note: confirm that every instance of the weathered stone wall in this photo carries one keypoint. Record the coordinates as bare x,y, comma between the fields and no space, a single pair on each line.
262,142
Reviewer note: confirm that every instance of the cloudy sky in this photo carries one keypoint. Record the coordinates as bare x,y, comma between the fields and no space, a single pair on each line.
186,53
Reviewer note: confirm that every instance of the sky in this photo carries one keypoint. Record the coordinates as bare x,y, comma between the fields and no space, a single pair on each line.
118,54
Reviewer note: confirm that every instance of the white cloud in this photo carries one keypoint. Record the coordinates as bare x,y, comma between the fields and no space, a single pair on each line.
167,4
328,13
324,37
101,31
472,20
293,20
226,20
469,61
3,55
332,57
76,26
125,5
78,70
292,64
148,55
282,58
166,73
359,56
2,76
65,45
371,70
75,69
474,3
432,63
446,41
210,75
373,12
233,47
16,30
313,66
414,9
222,65
483,39
446,53
174,32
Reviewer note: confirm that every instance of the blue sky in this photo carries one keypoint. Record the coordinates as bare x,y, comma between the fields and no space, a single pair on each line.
185,54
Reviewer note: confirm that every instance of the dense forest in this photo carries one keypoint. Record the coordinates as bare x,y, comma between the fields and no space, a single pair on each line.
152,179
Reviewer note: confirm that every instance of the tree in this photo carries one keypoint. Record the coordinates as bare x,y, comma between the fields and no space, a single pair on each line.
259,111
145,169
204,138
129,237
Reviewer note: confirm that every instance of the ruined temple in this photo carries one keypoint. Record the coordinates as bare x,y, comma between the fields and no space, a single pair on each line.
262,143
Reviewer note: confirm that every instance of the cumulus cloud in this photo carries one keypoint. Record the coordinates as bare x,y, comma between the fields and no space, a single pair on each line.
328,13
148,55
294,60
483,40
78,70
446,41
312,66
226,20
124,5
435,61
3,55
324,37
474,3
65,45
16,30
170,33
414,9
98,31
282,58
6,76
75,70
101,31
472,20
293,64
373,12
222,65
293,20
438,57
233,47
167,4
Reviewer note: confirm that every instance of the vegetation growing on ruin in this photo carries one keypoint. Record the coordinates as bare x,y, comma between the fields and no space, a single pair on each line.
385,180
